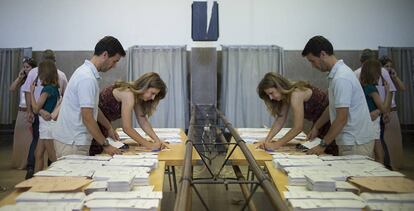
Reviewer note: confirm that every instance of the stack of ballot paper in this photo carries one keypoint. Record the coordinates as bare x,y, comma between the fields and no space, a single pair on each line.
283,131
311,143
321,195
283,163
44,206
296,188
326,204
69,167
96,186
282,155
167,130
85,157
345,157
146,188
162,133
151,163
50,197
343,186
123,135
121,205
296,179
388,197
168,135
120,184
253,130
173,140
253,135
389,201
298,176
59,172
125,195
140,177
390,206
318,182
140,155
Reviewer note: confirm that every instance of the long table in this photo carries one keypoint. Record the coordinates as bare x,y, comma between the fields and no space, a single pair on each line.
174,156
279,178
261,156
156,179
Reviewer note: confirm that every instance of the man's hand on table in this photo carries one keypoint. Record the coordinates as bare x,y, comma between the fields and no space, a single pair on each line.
113,134
111,150
318,150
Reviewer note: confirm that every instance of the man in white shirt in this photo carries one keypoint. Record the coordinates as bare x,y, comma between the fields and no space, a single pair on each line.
348,112
34,118
77,121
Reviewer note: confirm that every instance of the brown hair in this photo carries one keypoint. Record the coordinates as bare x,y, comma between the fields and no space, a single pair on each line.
138,87
370,72
385,59
286,87
48,55
48,73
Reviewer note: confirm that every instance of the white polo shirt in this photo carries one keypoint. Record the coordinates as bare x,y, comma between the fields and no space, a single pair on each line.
345,91
82,92
380,85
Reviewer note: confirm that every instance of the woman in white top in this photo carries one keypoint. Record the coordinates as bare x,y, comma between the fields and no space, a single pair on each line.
22,129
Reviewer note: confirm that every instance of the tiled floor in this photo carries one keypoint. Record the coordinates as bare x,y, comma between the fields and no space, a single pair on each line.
216,196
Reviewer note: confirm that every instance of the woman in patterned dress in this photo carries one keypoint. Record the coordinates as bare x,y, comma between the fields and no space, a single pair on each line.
123,98
304,100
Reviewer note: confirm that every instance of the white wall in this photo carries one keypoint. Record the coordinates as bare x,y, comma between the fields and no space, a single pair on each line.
79,24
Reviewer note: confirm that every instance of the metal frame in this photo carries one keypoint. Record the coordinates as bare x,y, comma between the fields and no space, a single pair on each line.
183,200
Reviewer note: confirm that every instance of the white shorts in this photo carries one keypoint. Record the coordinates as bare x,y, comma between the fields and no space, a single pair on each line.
377,128
45,128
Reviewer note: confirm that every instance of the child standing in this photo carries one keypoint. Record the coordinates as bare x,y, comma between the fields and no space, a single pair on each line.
45,105
370,74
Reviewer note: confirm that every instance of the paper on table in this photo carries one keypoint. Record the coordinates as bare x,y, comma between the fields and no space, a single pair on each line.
50,197
136,204
323,204
390,206
44,206
173,140
320,195
388,197
284,131
312,143
116,144
125,195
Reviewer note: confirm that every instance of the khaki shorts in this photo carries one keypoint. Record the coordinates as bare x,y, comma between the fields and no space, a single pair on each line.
66,149
362,149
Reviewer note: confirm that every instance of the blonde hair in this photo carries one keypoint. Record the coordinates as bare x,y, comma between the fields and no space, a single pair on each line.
139,86
286,87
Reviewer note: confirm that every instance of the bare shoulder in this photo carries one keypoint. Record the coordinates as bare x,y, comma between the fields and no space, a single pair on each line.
123,95
298,94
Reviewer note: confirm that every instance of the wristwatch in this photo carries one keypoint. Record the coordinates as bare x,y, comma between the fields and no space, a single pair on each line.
105,143
323,143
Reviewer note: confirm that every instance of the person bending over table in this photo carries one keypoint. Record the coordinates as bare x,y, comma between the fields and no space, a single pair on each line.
141,97
304,100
